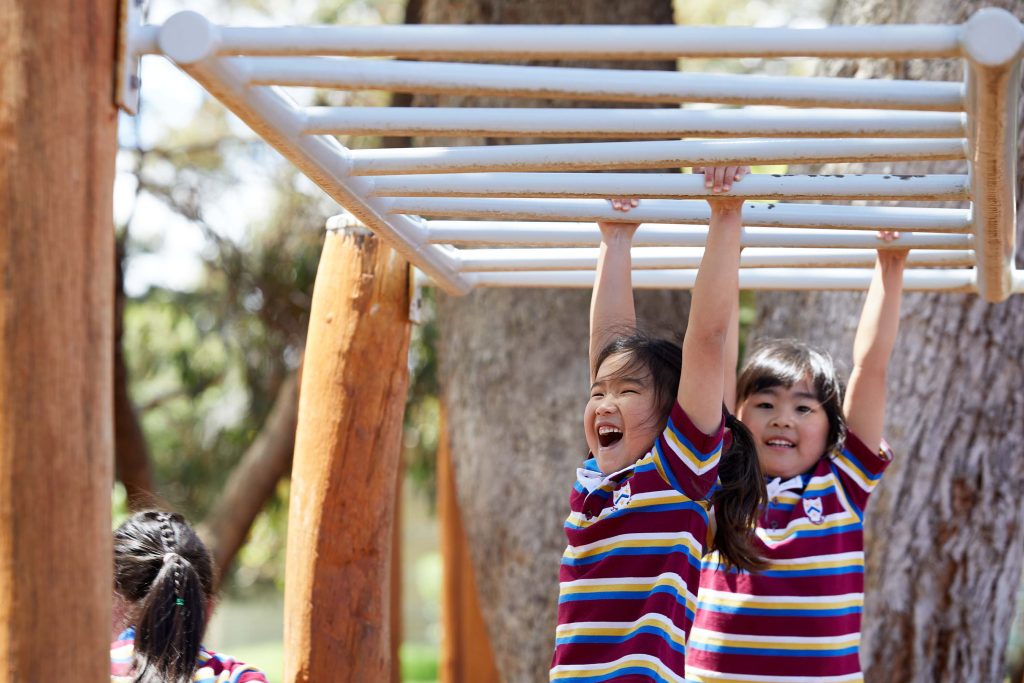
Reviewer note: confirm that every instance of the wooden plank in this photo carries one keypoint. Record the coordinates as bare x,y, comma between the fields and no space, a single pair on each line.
338,572
466,654
57,149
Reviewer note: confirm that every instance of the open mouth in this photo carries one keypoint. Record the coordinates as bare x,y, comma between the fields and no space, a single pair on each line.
608,436
780,443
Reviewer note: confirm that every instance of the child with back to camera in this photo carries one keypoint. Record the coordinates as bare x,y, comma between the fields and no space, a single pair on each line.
823,453
163,596
654,424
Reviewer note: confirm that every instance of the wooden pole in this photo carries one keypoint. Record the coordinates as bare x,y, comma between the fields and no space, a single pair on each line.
395,615
57,149
337,581
466,654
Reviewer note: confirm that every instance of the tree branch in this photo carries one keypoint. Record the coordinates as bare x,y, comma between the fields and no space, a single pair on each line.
253,479
131,452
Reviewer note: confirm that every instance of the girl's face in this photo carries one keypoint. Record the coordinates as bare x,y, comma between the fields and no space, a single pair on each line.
790,428
620,420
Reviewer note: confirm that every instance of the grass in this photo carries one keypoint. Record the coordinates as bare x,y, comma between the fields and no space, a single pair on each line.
419,662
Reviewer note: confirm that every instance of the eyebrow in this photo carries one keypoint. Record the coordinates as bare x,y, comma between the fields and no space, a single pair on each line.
613,378
774,391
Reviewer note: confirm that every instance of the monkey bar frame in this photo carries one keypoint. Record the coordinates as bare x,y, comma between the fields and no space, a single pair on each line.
520,215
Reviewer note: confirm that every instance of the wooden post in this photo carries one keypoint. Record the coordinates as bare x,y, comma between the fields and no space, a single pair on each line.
395,616
337,580
57,149
466,655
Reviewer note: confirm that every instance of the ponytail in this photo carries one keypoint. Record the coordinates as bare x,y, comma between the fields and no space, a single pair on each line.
170,625
162,568
738,500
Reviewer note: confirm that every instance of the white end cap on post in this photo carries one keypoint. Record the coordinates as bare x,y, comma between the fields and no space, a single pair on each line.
188,37
992,37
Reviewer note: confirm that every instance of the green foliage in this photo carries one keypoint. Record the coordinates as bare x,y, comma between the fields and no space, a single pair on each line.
267,657
419,662
205,362
118,504
422,424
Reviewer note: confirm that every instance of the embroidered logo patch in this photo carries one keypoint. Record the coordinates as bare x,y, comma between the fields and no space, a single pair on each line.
815,510
621,497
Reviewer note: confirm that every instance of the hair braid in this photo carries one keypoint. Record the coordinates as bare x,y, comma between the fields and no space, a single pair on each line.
169,541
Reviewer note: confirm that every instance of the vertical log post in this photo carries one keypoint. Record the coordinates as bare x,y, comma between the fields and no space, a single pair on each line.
395,616
466,654
57,147
337,580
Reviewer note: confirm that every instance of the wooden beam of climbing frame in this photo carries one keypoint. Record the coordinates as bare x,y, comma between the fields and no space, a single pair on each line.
58,134
352,399
993,42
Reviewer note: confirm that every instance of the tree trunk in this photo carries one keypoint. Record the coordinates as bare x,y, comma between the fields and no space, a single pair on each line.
347,449
944,531
131,452
57,149
253,480
513,365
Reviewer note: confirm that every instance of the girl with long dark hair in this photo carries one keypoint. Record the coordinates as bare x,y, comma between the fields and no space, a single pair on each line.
163,596
656,429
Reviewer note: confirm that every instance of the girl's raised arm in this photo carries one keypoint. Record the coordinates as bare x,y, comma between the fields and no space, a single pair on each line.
732,358
715,294
611,305
864,404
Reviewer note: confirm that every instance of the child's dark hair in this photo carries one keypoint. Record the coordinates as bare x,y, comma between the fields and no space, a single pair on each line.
741,491
784,362
164,571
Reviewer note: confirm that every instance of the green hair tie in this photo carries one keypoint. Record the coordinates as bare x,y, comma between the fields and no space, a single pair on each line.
180,602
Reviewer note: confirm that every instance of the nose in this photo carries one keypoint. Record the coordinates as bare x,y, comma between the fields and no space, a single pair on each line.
782,418
605,406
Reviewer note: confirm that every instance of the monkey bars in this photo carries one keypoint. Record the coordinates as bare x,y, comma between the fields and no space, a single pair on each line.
522,215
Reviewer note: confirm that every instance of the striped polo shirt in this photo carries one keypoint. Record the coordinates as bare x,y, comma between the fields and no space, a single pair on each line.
627,579
210,667
798,620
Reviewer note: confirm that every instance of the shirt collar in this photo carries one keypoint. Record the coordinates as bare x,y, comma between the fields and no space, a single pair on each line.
591,478
776,485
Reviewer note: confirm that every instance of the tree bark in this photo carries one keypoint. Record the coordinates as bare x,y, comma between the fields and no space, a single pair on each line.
57,149
944,531
513,366
252,481
337,579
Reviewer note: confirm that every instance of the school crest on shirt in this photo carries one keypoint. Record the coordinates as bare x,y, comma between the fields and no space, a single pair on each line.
815,510
620,498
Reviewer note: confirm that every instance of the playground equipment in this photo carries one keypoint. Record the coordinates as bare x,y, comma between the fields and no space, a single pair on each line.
522,215
547,197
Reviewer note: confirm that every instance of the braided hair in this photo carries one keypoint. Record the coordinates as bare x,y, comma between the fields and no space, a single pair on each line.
165,573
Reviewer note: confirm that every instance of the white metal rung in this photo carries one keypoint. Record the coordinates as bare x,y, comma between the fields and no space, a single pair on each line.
524,215
633,123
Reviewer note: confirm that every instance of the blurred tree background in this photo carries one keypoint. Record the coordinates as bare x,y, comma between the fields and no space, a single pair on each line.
218,243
